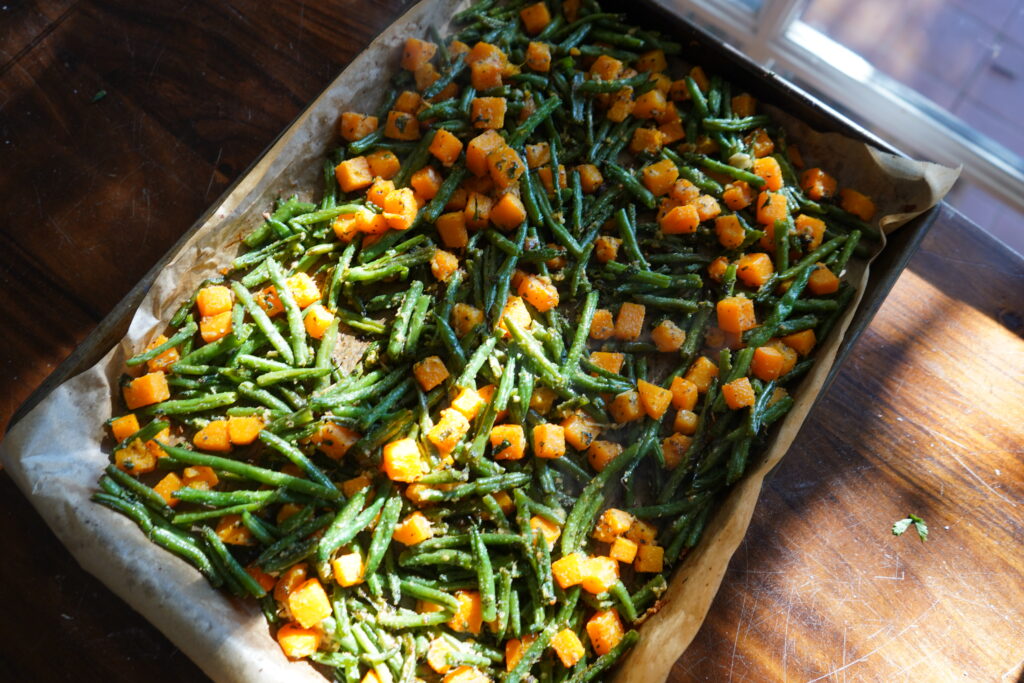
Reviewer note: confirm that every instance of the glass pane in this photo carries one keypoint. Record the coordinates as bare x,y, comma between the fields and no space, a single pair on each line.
966,56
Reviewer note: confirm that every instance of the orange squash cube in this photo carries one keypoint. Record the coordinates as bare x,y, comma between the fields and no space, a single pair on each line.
568,570
414,529
630,321
817,184
509,213
602,327
452,229
811,231
515,309
771,207
736,314
213,300
684,394
567,645
605,68
199,477
622,550
801,342
383,163
469,617
600,453
651,105
754,269
538,155
232,531
355,126
738,394
243,430
514,649
163,361
625,407
605,630
425,183
767,363
401,126
508,442
606,248
348,569
620,105
308,603
213,437
535,17
292,578
465,318
674,449
215,327
538,56
430,372
649,559
685,422
672,131
580,430
478,149
146,390
409,102
701,373
546,176
667,336
478,211
416,53
469,402
647,141
822,281
334,440
443,264
488,112
600,574
400,208
351,487
316,320
641,532
548,441
768,168
505,166
439,650
124,426
547,528
761,144
445,147
379,191
297,642
401,461
345,226
303,289
744,105
353,174
612,362
542,400
738,195
612,524
590,178
660,177
858,204
449,430
729,231
651,61
167,486
707,207
654,399
538,291
680,220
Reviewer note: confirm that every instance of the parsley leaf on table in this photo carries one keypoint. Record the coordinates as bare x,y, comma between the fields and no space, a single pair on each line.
919,525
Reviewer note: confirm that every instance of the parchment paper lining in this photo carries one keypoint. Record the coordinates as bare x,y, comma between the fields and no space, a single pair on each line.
55,456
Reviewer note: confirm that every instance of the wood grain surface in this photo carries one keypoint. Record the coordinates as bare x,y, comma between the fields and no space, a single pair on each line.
925,417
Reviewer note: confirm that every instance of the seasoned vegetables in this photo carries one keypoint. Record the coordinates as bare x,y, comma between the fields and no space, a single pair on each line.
585,279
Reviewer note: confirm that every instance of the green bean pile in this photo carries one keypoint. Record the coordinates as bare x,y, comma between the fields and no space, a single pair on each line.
578,289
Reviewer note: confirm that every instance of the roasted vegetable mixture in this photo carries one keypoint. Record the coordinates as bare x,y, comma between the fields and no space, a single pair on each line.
582,277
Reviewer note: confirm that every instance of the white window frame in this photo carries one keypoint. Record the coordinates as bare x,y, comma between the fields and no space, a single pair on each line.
775,37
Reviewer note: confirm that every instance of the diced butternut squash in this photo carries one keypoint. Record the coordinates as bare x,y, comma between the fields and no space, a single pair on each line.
308,603
167,486
538,57
213,437
599,574
701,373
580,430
738,394
505,167
213,300
146,390
334,440
514,649
858,204
214,327
469,617
600,453
707,207
548,441
701,78
401,461
289,580
605,629
647,141
124,426
400,208
417,53
297,642
567,645
650,559
546,528
654,399
625,407
353,174
425,183
452,229
736,314
622,550
515,310
605,68
651,61
768,168
650,105
822,281
430,372
606,360
164,360
508,442
539,292
754,269
801,342
466,674
568,570
771,207
684,394
738,195
508,213
449,430
606,248
445,147
485,75
729,231
685,422
414,529
401,126
680,220
668,336
199,477
535,17
233,531
477,213
465,318
761,144
612,524
439,651
316,320
469,402
379,191
744,105
629,323
674,449
641,532
660,176
602,326
538,155
620,105
443,264
767,363
817,184
478,149
348,569
488,112
243,430
355,126
383,163
810,230
590,178
542,400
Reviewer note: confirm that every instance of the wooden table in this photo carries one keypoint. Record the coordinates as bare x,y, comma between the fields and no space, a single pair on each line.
925,417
